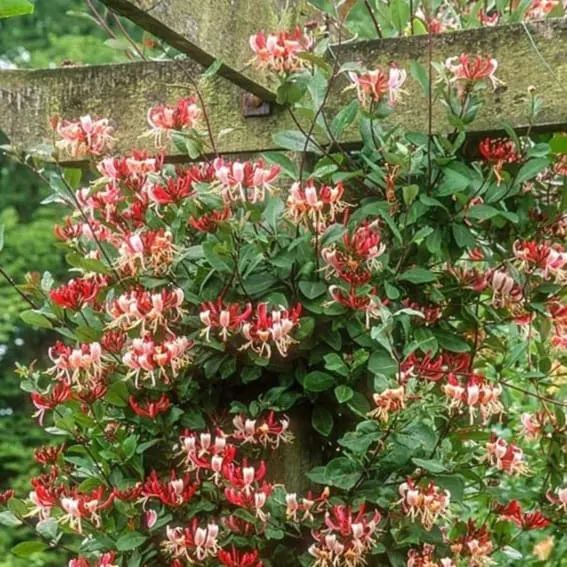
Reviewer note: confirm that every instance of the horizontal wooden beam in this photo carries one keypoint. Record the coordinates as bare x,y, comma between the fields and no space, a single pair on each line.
207,30
536,55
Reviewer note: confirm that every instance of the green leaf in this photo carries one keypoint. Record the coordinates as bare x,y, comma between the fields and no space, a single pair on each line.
34,318
342,473
335,363
324,5
451,342
322,420
72,175
482,212
11,8
311,289
130,541
318,381
381,362
9,519
530,169
87,264
47,528
344,118
283,161
418,275
419,73
212,69
28,548
463,236
430,465
455,484
220,262
295,141
409,193
558,144
343,393
318,62
273,532
117,394
400,14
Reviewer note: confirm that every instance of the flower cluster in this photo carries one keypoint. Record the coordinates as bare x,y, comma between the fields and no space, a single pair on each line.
512,512
259,327
347,537
475,394
315,206
280,52
467,71
498,152
389,401
384,308
164,119
244,182
84,137
424,503
373,87
506,457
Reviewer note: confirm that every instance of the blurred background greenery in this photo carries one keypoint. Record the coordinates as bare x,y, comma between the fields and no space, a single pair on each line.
58,32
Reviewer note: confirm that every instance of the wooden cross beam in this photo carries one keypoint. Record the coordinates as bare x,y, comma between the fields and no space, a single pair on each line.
532,55
208,30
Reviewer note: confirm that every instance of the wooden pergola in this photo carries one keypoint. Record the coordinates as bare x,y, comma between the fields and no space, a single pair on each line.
211,30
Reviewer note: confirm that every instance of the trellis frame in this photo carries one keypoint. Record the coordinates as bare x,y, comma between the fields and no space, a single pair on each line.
207,30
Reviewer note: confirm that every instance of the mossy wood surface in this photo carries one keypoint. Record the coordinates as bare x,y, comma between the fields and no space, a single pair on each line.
215,29
124,92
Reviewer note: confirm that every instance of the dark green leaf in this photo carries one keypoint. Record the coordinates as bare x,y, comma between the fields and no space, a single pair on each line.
451,342
130,541
418,275
318,381
430,465
311,289
343,393
344,118
381,362
322,420
295,141
530,169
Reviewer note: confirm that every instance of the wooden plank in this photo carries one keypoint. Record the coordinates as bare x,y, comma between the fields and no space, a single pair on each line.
124,92
530,55
215,29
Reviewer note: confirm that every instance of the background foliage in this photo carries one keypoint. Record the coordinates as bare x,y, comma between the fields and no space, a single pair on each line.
58,31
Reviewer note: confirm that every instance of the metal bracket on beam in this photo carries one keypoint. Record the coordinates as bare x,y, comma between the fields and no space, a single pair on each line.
253,106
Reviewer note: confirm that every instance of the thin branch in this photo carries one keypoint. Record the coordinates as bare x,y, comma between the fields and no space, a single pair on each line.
101,20
534,394
129,37
11,281
373,17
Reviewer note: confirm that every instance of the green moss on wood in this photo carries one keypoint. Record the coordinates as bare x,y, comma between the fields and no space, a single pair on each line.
218,29
124,92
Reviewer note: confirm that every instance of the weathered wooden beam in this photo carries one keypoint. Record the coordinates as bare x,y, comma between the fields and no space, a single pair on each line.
124,92
207,30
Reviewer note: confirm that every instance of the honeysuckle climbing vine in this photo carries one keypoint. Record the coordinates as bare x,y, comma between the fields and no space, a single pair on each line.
408,297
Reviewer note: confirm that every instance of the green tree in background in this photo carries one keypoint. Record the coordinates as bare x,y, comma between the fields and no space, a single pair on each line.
58,32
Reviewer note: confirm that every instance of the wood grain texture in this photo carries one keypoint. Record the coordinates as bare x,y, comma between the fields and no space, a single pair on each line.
125,92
